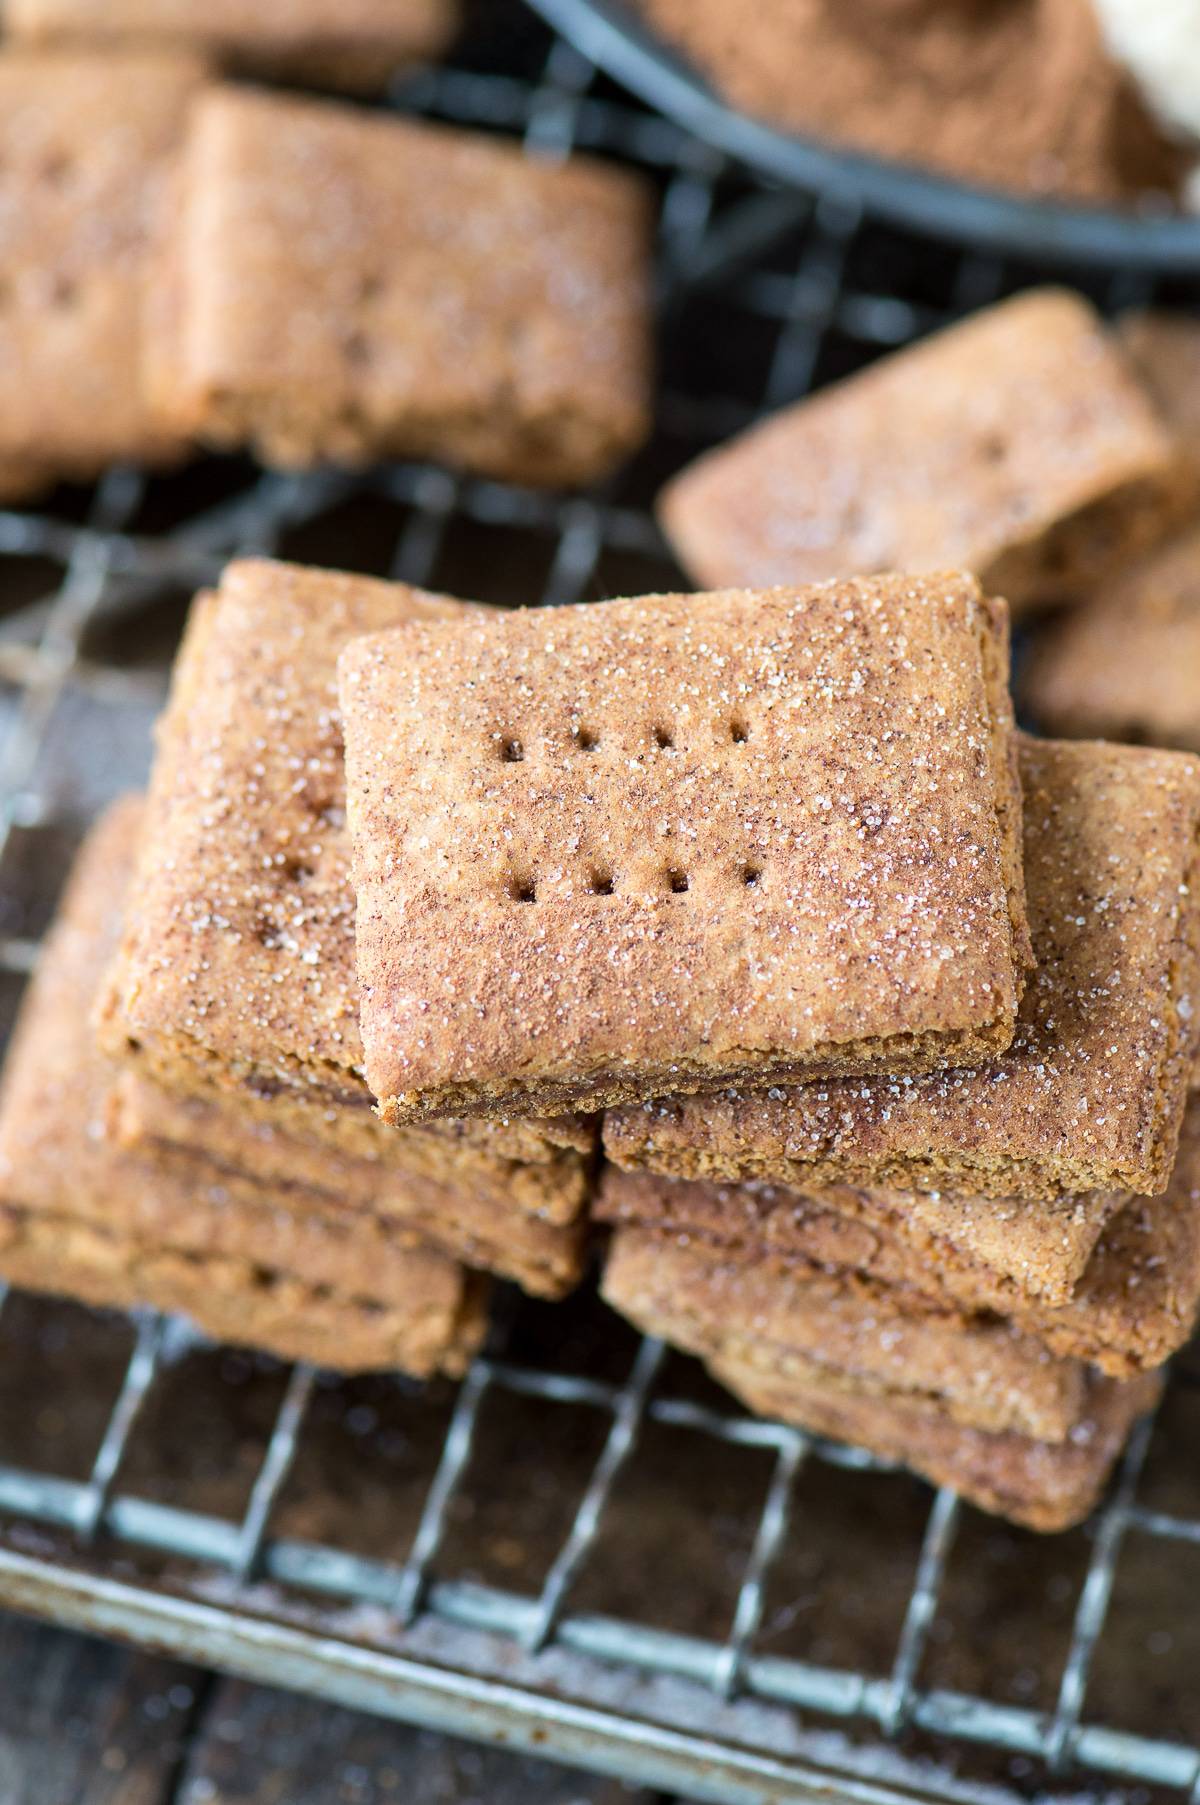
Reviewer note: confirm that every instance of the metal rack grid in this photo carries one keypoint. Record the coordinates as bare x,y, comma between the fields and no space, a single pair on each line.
813,289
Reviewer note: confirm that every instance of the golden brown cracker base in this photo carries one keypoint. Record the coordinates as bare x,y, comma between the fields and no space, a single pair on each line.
235,1300
972,1247
560,1147
1123,666
342,43
1133,1304
1164,349
682,840
69,1194
1089,1097
1017,444
553,1192
1046,1486
236,971
886,1339
262,1178
516,344
87,145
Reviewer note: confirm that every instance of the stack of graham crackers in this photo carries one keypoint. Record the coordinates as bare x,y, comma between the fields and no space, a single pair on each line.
216,1152
882,1011
741,926
779,859
979,1271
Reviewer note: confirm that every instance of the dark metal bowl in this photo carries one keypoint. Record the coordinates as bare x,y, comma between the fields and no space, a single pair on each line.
608,34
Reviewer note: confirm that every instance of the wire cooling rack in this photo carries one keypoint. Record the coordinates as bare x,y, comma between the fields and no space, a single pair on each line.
584,1549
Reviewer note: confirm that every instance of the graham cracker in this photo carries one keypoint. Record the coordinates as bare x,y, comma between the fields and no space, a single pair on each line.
1131,1306
1123,666
1046,1486
682,840
279,1313
519,1222
344,43
991,1251
87,147
460,1208
1164,349
1090,1095
78,1214
236,970
885,1339
271,1143
1018,444
500,1153
447,296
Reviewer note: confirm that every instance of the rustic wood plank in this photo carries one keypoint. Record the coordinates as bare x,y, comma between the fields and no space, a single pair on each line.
263,1747
85,1722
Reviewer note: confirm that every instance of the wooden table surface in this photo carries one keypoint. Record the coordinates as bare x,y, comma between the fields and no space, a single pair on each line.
84,1722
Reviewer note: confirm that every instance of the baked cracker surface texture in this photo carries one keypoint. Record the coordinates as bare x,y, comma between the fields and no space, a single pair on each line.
235,1301
670,842
881,1338
236,971
218,1180
80,1215
1164,349
1089,1096
1131,1305
1018,444
1047,1486
1002,1248
341,43
447,296
1123,666
462,1210
87,149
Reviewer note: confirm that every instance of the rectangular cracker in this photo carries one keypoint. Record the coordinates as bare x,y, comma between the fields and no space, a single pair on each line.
265,1143
1046,1486
520,1222
1018,444
1164,349
682,841
1090,1095
884,1339
1003,1248
80,1215
87,147
1123,666
278,1313
463,1209
344,43
1133,1304
564,1145
236,972
447,296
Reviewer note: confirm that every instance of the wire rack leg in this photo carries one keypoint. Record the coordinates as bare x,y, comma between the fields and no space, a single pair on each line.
772,1529
628,1411
456,1452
